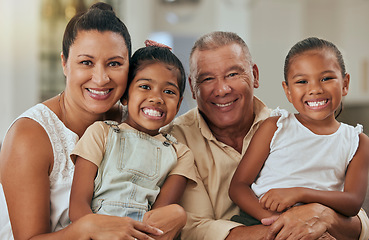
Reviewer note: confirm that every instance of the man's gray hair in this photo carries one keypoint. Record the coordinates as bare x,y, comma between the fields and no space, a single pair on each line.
217,39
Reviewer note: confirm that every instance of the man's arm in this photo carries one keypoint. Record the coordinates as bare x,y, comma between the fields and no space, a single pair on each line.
312,221
364,235
256,232
201,223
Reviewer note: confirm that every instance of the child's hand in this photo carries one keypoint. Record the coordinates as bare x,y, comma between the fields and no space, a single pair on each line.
280,199
170,219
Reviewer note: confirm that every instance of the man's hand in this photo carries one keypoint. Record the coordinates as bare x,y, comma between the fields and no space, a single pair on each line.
306,222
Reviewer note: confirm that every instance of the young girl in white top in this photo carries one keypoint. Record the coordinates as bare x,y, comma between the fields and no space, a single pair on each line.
309,156
121,168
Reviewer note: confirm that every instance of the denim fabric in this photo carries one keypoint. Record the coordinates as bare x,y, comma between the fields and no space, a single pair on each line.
129,178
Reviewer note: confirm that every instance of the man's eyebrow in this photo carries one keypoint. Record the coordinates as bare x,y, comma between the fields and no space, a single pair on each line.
202,75
232,68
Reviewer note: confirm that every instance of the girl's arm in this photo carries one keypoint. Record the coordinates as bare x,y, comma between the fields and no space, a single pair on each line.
347,202
82,188
166,214
251,163
171,192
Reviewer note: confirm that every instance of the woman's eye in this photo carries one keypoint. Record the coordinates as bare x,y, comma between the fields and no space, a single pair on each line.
114,64
86,62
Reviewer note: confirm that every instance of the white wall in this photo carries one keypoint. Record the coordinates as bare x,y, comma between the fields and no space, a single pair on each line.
138,17
269,27
18,58
355,39
278,25
188,21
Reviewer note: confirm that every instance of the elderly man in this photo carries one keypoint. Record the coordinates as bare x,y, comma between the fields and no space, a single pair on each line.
222,79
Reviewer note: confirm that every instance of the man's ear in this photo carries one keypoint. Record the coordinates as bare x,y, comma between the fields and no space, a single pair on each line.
287,91
191,87
346,83
255,73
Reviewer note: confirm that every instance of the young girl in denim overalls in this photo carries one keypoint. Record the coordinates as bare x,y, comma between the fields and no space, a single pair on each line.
121,168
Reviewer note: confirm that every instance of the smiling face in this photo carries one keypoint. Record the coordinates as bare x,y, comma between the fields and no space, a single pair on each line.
153,98
316,85
96,71
223,85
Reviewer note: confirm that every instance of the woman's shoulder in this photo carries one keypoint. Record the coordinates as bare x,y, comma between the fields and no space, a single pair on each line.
30,133
26,144
27,125
44,113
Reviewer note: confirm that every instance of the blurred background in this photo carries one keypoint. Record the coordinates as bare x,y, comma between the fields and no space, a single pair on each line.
31,34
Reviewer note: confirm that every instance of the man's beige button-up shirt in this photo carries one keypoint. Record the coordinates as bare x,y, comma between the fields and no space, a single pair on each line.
208,205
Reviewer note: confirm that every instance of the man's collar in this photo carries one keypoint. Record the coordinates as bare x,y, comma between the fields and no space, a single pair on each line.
204,127
261,111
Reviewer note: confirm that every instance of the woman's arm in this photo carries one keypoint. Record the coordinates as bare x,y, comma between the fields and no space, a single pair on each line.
25,164
26,161
252,162
82,188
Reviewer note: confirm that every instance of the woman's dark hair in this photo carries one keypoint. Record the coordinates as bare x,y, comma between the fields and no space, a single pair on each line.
312,43
100,17
154,54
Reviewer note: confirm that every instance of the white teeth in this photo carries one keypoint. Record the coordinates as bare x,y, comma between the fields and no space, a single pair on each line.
316,104
98,92
223,105
152,112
